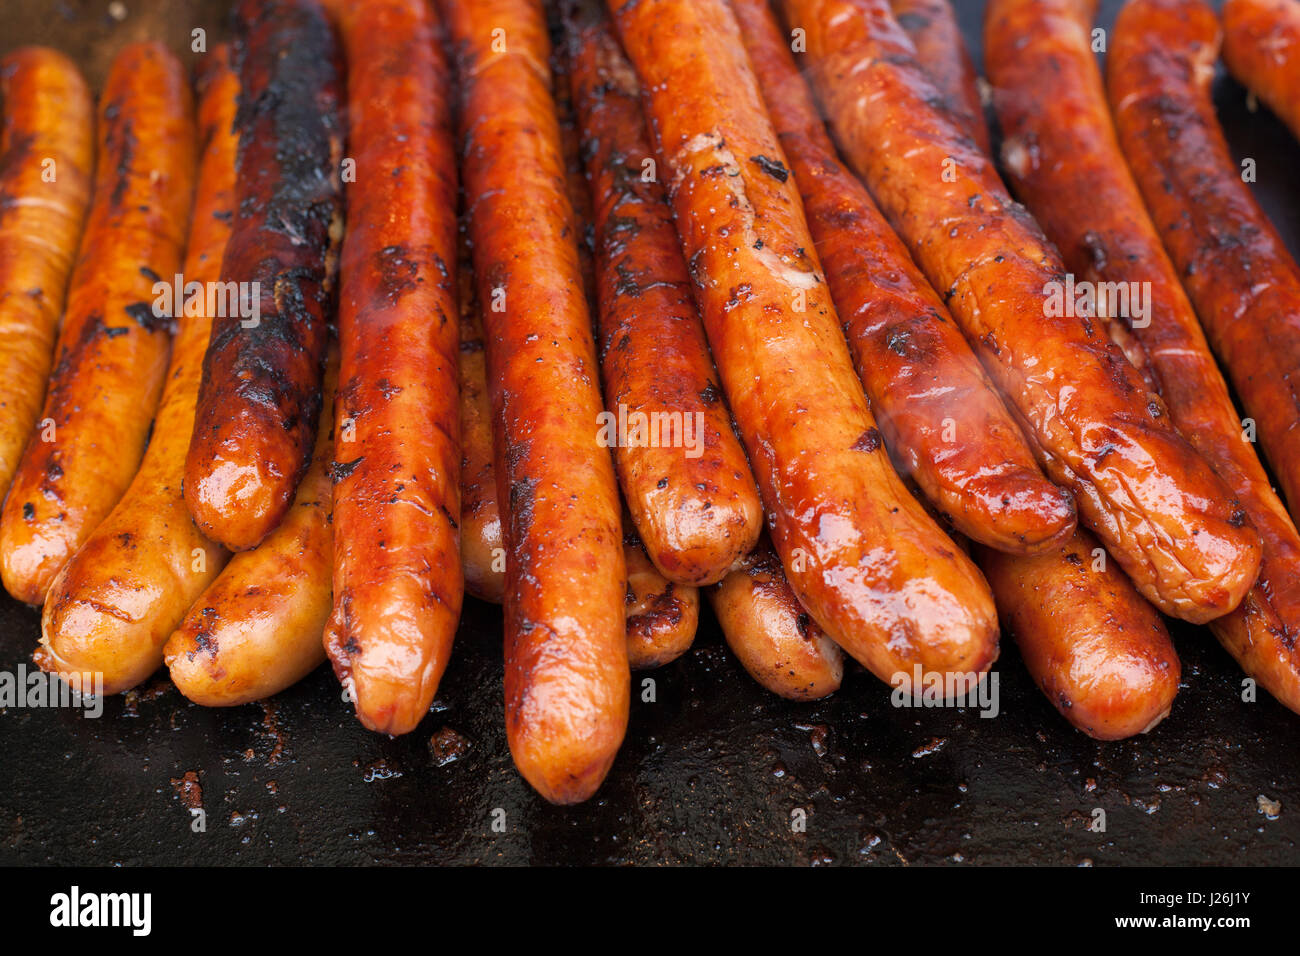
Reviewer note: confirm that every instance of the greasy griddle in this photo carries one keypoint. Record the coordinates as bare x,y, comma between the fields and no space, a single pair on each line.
711,771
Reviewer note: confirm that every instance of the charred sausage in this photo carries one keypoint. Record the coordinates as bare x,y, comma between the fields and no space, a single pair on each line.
260,395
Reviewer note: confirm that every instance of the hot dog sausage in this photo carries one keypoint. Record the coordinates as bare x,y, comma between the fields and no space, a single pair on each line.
258,628
481,553
567,682
260,395
661,614
1098,651
771,634
397,580
1261,45
937,409
121,595
46,150
1158,507
683,471
1077,183
873,570
1235,267
932,27
111,358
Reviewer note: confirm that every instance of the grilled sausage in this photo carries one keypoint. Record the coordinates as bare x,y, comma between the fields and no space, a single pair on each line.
1158,507
940,415
1261,45
567,682
260,395
932,27
481,553
661,614
47,147
113,346
1098,651
122,594
1076,182
771,634
683,471
1235,267
259,627
397,579
873,570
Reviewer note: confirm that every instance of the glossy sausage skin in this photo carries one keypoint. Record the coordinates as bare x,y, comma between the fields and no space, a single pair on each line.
661,614
1099,651
119,598
1076,181
258,628
113,346
482,555
1158,507
260,396
772,636
1261,45
872,568
1234,265
940,415
567,681
397,580
691,494
932,27
49,119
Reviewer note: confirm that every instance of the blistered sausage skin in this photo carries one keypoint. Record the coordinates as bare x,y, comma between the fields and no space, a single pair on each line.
119,598
873,570
397,575
687,483
940,415
115,337
1098,651
1076,182
1261,45
259,627
772,636
567,681
1158,507
260,395
1236,269
47,147
932,27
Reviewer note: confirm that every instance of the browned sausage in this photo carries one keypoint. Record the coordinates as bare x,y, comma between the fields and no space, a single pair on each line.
258,628
1099,652
482,555
567,681
683,471
1076,181
1158,507
114,342
397,576
941,417
871,567
771,634
260,395
661,614
47,147
932,27
1237,271
1261,45
121,595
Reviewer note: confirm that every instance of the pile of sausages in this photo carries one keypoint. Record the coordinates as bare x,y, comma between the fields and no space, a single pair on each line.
588,309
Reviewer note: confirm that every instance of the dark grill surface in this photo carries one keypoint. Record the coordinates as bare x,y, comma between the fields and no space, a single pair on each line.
712,770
